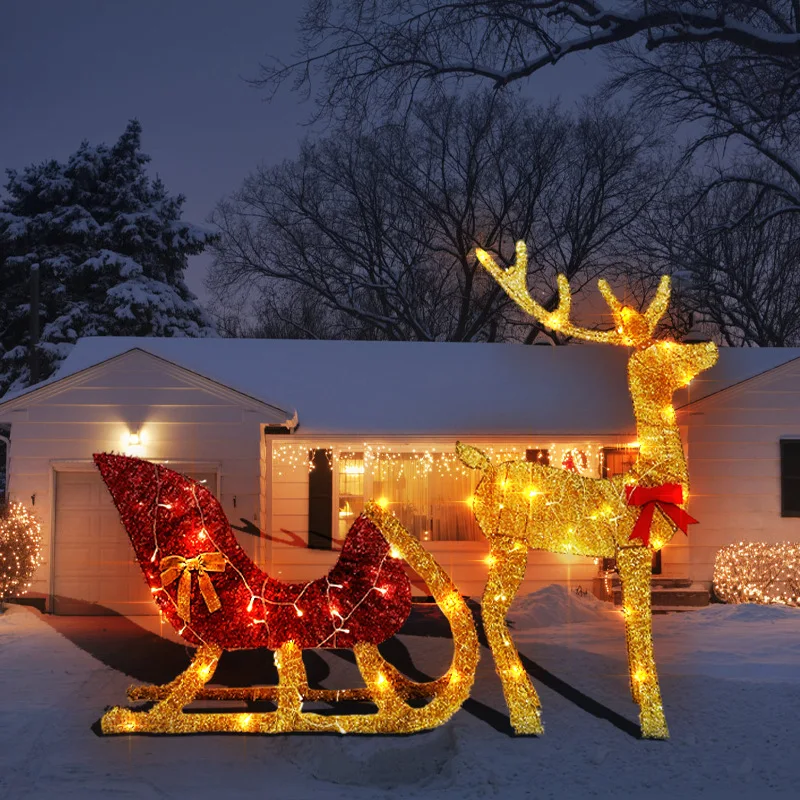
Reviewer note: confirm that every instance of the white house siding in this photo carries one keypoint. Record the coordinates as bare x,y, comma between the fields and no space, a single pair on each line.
186,421
733,448
731,437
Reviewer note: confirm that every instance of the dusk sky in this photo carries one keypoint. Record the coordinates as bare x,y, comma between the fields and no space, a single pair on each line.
81,69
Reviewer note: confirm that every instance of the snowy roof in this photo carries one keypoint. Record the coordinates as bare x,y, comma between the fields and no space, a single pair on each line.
423,388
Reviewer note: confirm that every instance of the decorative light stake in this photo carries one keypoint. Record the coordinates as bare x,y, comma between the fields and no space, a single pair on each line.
521,505
216,598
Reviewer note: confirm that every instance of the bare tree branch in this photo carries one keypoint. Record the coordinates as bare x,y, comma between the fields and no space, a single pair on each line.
740,278
378,232
385,50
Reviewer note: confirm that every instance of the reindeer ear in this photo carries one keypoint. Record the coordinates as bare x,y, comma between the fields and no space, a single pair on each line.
473,457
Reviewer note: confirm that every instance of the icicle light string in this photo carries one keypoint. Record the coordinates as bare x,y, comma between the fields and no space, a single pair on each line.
586,458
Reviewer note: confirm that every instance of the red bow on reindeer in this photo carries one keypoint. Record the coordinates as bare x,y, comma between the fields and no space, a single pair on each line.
666,497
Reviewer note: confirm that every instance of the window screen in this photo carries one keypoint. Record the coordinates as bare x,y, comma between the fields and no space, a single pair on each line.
618,460
790,477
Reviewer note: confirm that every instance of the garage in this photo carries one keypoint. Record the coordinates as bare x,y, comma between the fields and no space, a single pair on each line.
94,570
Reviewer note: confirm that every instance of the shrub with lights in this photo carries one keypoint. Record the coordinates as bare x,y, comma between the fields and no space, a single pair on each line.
20,550
758,572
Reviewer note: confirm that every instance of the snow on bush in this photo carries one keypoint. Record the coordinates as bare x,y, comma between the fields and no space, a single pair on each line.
110,249
758,572
557,605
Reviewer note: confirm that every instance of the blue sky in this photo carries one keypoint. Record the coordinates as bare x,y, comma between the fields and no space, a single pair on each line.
80,69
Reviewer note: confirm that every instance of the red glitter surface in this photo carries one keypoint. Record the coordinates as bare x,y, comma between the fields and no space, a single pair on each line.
366,597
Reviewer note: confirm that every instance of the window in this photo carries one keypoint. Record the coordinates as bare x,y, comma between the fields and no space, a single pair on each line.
427,493
790,477
618,461
538,456
351,490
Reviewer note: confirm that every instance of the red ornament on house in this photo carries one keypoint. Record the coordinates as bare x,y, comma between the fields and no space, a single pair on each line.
574,460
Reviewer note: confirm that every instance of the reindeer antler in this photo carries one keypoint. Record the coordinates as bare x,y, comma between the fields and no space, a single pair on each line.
630,326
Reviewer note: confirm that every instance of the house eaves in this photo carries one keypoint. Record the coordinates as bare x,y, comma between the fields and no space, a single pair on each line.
35,394
740,386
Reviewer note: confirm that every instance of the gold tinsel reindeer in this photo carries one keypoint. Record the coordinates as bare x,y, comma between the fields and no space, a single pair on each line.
522,506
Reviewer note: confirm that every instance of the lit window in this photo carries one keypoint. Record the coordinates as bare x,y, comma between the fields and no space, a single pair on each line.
351,490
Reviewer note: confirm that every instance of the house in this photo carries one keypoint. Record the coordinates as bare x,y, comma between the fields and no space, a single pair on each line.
294,436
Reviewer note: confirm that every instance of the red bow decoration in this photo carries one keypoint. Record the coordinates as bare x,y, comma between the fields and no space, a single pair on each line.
666,497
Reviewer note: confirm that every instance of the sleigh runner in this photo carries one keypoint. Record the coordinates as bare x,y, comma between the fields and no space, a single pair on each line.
217,599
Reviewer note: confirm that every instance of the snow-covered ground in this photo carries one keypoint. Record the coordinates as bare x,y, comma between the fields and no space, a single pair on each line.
730,678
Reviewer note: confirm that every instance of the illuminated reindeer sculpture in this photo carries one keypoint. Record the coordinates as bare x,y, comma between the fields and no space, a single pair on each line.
521,505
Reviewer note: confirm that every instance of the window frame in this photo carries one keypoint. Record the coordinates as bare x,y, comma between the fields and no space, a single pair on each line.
786,511
428,535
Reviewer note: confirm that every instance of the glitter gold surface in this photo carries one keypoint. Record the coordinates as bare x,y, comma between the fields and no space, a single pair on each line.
521,505
388,689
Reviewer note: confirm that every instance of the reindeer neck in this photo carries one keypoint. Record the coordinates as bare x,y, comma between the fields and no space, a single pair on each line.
661,457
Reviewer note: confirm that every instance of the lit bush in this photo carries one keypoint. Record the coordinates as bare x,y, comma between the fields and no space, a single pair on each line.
20,550
757,572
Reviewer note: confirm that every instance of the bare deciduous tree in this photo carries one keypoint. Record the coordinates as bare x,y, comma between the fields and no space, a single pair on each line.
373,236
743,110
733,66
385,49
741,279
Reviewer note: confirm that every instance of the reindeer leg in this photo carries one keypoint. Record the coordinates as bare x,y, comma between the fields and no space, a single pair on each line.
505,575
167,715
634,567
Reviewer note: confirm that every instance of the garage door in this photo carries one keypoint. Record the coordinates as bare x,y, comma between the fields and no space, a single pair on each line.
95,571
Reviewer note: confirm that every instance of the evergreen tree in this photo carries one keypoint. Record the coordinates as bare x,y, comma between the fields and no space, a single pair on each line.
111,251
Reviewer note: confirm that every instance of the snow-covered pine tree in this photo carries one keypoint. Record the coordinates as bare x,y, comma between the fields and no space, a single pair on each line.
111,250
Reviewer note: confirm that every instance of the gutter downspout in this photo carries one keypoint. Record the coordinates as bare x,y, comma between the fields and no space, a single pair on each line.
5,438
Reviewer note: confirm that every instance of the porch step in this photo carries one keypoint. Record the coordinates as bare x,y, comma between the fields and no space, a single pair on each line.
667,594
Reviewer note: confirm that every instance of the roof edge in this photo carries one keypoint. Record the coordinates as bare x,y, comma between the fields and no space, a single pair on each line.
739,385
58,385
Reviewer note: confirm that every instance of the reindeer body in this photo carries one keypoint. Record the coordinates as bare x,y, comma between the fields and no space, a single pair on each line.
529,500
521,506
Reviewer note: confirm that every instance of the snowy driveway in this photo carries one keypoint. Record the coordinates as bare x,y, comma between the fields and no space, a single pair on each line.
730,679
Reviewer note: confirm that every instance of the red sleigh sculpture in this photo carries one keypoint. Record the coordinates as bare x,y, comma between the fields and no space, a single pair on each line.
218,599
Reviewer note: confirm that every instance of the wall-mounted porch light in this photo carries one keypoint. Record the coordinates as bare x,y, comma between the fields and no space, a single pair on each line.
132,442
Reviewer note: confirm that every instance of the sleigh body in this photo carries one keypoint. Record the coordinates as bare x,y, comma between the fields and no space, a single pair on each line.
217,599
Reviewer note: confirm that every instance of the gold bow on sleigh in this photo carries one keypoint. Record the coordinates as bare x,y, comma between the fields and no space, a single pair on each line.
173,567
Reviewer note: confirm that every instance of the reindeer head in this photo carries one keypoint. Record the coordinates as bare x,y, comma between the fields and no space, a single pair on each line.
489,493
657,366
